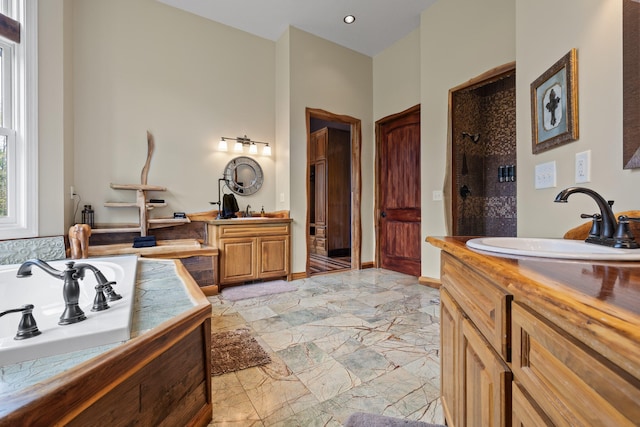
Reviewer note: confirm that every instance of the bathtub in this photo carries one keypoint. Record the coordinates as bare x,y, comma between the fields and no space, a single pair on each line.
45,293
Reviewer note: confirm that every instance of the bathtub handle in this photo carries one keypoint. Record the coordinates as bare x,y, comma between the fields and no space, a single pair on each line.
27,327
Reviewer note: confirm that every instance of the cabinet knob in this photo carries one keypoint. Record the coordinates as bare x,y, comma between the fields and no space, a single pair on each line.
383,214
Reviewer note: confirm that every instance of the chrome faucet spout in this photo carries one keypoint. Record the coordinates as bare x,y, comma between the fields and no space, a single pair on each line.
609,222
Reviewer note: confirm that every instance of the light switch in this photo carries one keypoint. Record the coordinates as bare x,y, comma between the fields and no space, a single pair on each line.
545,175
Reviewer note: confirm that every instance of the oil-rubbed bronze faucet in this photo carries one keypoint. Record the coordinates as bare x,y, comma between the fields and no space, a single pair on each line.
71,288
608,218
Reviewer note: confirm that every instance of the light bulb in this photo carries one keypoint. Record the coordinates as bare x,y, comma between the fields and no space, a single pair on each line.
266,151
222,145
253,148
237,147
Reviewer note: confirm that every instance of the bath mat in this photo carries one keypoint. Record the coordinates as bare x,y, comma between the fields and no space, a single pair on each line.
235,350
254,290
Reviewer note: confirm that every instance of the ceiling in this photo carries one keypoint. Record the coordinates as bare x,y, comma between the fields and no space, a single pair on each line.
378,25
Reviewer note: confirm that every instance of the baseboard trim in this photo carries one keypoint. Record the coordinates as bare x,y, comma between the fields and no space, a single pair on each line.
368,265
296,276
430,282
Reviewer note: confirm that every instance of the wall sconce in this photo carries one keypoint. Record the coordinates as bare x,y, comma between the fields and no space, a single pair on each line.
240,142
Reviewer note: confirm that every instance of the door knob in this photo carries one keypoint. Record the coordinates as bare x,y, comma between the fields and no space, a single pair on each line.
383,214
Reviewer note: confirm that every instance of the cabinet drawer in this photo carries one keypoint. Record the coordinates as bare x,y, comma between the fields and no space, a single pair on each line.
568,381
230,231
321,232
484,303
524,411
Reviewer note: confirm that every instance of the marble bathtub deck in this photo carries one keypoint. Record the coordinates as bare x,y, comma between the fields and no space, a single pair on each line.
345,342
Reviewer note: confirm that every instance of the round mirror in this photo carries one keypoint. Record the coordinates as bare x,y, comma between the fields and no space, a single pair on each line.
243,175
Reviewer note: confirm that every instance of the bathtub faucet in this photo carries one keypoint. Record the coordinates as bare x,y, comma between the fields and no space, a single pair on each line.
104,285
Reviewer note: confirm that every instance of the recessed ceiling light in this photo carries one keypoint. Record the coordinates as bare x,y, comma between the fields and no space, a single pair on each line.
349,19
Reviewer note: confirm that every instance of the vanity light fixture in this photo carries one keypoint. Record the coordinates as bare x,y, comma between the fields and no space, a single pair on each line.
349,19
240,142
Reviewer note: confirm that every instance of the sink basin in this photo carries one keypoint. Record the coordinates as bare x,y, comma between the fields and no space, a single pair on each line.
552,248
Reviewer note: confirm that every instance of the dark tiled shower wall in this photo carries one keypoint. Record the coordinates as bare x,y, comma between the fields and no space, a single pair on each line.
490,209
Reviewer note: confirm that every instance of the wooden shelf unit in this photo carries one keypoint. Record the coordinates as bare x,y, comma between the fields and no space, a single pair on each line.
143,207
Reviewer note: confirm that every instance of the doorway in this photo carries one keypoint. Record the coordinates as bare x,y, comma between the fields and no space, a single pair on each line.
333,229
398,192
483,155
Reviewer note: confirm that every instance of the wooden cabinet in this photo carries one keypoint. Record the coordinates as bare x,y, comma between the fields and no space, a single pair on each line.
251,249
476,381
570,383
330,192
520,347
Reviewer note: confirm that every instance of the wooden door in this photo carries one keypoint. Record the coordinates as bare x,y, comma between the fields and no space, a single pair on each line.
398,192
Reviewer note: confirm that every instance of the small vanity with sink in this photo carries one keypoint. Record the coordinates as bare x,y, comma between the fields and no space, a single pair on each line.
251,248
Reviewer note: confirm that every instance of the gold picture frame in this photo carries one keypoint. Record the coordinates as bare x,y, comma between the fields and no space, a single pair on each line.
554,105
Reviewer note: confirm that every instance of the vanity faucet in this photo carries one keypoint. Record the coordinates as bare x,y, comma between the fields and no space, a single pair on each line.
248,212
608,218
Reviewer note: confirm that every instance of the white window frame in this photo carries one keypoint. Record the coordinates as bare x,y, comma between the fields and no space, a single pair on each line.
22,131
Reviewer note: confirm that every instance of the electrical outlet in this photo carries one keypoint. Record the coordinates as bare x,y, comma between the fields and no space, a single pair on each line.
437,195
72,192
281,197
545,175
583,167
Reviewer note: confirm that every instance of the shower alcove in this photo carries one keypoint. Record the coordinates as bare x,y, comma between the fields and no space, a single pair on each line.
483,155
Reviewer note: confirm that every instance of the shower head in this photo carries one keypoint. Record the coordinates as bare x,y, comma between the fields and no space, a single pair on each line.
473,137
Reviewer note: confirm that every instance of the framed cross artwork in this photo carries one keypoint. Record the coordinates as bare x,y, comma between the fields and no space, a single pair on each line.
554,105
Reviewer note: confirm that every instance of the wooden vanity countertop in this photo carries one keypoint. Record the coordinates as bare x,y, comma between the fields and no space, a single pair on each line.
597,302
249,220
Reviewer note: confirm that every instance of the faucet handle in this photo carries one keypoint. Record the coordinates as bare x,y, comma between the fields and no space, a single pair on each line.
596,225
624,237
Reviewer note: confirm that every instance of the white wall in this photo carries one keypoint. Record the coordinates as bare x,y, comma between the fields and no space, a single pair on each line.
141,65
55,163
326,76
594,28
396,77
459,40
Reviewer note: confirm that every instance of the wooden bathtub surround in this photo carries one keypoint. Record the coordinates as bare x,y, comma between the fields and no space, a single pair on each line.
254,248
534,341
160,378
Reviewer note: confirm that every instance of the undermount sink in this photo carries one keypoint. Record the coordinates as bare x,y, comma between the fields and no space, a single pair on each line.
552,248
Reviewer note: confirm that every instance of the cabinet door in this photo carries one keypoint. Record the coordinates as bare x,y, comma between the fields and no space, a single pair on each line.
486,382
273,256
319,144
450,358
238,260
321,193
571,383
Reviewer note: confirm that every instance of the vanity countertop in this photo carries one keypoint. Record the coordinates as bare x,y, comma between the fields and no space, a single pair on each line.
596,301
249,220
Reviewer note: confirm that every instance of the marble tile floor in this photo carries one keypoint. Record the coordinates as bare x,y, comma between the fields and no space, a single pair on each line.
345,342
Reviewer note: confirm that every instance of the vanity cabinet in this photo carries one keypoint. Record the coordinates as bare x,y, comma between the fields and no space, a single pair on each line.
330,192
251,248
538,342
476,380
